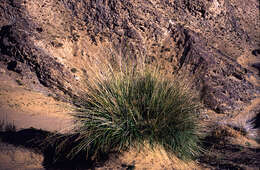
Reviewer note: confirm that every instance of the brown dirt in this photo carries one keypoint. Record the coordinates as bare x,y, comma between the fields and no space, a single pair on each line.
17,158
147,158
26,108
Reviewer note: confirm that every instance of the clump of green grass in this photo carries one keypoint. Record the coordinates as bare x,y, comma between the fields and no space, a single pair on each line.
128,108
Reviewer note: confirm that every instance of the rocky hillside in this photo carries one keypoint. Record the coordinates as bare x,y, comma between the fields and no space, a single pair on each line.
49,46
49,42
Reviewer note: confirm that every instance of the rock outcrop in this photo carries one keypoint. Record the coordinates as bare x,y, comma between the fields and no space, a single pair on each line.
50,41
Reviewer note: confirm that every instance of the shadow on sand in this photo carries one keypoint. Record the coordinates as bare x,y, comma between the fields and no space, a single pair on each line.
220,155
223,155
47,143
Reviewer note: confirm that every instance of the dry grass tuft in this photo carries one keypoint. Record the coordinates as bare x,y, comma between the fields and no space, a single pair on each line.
127,103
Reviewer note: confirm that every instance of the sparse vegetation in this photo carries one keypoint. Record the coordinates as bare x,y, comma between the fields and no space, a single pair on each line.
10,127
6,126
128,108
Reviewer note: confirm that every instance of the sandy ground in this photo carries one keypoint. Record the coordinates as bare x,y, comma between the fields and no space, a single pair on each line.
17,158
26,108
148,159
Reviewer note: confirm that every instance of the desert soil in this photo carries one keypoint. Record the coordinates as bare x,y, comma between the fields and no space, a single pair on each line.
14,158
25,108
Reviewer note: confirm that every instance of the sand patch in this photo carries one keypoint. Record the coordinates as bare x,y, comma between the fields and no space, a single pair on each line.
12,157
146,158
26,108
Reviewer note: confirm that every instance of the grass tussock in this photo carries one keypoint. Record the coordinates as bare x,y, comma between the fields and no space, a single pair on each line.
125,107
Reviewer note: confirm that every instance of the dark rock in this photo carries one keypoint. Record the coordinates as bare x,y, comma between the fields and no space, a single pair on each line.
257,66
220,79
256,121
20,54
14,66
39,30
256,52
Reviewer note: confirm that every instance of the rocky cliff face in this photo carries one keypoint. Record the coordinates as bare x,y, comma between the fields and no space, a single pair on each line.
216,42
